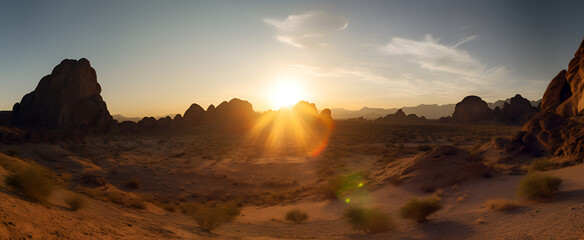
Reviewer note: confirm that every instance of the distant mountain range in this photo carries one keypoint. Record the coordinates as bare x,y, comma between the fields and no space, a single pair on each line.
121,118
430,111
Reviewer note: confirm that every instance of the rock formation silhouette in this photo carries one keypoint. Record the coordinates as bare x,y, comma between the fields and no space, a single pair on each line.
400,116
68,99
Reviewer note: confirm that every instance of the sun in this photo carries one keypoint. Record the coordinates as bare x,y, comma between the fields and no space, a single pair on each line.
286,92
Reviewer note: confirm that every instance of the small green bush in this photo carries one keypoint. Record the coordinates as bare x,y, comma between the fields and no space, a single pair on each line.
75,202
538,187
297,216
370,220
419,209
32,181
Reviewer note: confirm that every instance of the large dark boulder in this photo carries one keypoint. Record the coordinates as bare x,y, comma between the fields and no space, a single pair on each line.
472,109
194,114
67,99
517,112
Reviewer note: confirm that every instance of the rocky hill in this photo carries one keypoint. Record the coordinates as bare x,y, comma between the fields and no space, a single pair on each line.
67,99
400,116
474,110
558,129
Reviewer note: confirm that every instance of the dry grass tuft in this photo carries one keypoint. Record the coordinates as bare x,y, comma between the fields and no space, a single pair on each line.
296,216
32,181
501,204
370,220
210,217
419,209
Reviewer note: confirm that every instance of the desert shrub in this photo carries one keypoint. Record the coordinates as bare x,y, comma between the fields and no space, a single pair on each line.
341,185
538,187
32,181
115,197
419,209
539,165
75,202
210,217
137,203
133,183
501,204
370,220
297,216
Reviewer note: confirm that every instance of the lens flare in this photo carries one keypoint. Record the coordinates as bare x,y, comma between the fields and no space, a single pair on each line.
299,129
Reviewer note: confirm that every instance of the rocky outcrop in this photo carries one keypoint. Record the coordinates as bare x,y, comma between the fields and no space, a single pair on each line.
400,116
194,114
558,129
518,111
472,109
5,118
147,123
68,99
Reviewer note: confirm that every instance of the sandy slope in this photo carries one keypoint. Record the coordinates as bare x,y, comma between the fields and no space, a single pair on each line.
562,218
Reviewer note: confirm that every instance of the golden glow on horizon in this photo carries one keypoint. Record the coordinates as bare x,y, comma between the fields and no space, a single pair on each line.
299,129
285,93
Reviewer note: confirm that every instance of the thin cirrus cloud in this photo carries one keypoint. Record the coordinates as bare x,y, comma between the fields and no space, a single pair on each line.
430,54
308,29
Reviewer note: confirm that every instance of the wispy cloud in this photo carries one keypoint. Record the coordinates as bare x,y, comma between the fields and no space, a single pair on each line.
306,30
430,54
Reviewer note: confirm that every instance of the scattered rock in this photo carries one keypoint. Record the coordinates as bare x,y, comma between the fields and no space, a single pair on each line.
92,180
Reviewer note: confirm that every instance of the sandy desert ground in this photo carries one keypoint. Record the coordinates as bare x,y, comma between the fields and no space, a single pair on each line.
215,167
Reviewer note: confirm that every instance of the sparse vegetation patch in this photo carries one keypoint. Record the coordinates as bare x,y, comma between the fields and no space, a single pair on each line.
370,220
419,209
538,187
501,204
32,181
296,216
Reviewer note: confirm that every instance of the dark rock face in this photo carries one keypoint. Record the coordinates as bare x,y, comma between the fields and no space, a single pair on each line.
164,122
519,111
127,126
67,99
559,128
147,123
472,109
194,114
5,118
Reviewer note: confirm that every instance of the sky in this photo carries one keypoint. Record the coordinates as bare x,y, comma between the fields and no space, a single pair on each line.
158,57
